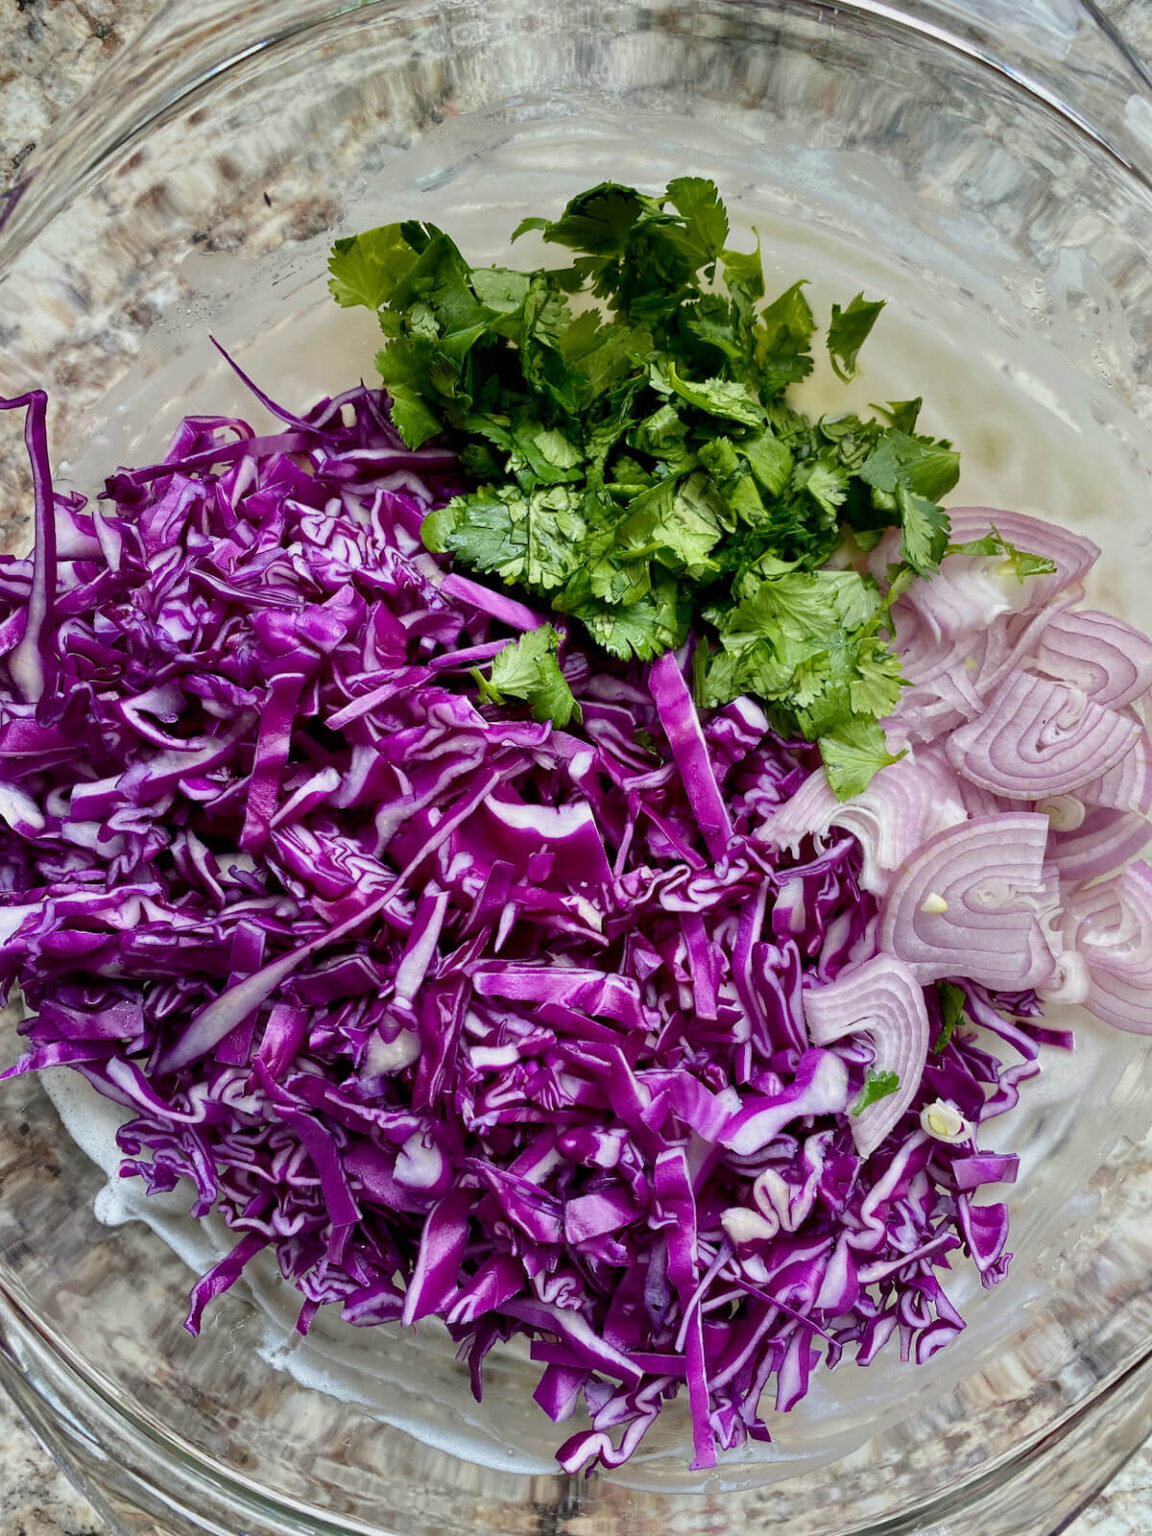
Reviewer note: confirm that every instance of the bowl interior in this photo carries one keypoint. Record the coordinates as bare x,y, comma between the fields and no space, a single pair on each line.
863,155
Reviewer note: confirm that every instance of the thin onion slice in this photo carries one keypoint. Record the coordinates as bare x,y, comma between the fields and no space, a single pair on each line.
1110,928
970,902
904,804
1127,786
1108,659
929,711
1073,555
883,1000
959,607
1104,842
808,813
1039,738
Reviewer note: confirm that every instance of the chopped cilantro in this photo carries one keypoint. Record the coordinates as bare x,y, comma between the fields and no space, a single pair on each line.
366,268
853,751
633,460
877,1085
925,531
951,1000
528,669
848,331
1018,561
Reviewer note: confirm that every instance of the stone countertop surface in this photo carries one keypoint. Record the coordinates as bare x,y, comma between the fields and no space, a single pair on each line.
51,51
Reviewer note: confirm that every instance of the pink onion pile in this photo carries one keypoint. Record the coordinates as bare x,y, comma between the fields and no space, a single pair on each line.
1001,847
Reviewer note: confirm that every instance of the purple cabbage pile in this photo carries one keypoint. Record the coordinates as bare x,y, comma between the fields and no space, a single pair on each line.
458,1014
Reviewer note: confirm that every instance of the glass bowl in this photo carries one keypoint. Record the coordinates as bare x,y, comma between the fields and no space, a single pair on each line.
981,167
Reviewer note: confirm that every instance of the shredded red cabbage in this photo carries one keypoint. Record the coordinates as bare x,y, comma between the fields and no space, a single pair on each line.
462,1015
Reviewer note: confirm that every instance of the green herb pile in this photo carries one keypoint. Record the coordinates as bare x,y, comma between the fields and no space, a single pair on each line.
636,465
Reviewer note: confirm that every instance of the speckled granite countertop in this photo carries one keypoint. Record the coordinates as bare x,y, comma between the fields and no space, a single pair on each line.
50,52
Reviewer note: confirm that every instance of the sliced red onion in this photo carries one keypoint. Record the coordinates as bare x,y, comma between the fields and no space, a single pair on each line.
1038,738
882,999
1065,813
949,685
1070,983
1072,555
929,712
944,1122
1128,785
808,813
970,901
903,806
1017,640
942,629
1104,842
959,634
965,596
942,668
1110,928
1108,659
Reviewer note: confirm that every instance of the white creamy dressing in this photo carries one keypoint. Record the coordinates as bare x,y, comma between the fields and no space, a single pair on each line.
1033,437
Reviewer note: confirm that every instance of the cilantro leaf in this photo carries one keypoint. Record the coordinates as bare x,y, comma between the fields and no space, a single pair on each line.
928,467
824,480
952,1003
527,224
744,275
853,752
500,288
901,414
848,331
705,217
598,221
925,531
770,460
663,434
875,690
714,325
1018,561
535,538
676,522
529,669
410,416
877,1085
601,355
719,458
783,341
757,669
719,397
366,268
642,630
805,604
